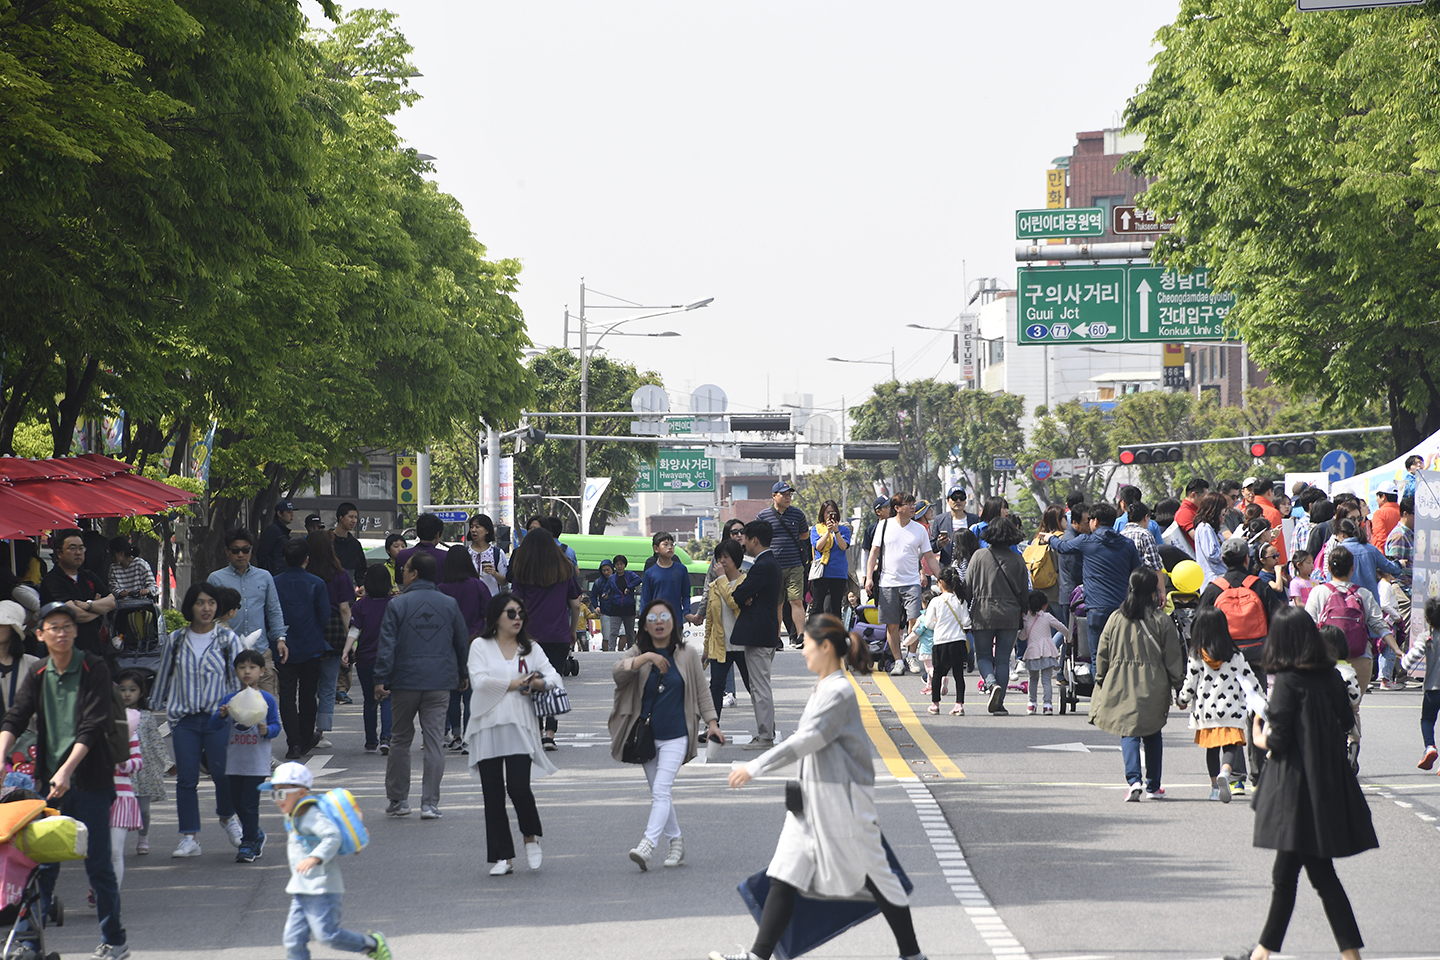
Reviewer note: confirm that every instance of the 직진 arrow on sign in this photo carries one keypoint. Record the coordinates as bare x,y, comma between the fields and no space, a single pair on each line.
1125,219
1144,291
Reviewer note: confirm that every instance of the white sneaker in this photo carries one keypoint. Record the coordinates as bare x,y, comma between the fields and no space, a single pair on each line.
1132,793
233,830
500,868
428,812
532,854
189,847
729,700
641,853
322,744
676,856
897,669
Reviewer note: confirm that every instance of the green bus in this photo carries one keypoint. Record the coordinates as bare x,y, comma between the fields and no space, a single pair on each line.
590,550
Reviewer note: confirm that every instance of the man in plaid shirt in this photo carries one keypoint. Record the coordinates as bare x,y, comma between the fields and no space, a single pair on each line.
1137,529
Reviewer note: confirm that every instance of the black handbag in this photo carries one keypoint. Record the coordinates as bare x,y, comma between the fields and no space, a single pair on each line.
640,741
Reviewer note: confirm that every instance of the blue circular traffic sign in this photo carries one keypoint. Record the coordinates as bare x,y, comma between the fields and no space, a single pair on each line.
1037,331
1338,464
1042,470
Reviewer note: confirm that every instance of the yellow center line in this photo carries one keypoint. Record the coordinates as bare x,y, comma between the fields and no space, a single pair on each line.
941,761
890,753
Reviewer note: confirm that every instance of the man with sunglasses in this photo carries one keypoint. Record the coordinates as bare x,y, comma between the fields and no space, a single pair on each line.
943,527
259,603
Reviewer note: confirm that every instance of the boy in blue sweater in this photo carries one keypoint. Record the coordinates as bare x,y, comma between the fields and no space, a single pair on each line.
315,886
248,754
668,579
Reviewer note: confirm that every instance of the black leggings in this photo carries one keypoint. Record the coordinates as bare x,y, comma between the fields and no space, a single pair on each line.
949,658
499,775
1216,757
720,673
832,589
1282,900
780,906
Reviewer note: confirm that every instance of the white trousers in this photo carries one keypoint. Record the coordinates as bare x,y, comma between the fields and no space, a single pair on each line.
660,770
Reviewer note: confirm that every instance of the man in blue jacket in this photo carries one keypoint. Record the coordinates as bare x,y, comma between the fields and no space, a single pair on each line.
305,605
423,654
1107,559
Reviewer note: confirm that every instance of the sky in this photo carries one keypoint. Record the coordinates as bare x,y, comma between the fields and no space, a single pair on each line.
828,172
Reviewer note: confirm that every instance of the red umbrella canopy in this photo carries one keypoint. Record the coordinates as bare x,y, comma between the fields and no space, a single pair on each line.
150,489
22,516
89,500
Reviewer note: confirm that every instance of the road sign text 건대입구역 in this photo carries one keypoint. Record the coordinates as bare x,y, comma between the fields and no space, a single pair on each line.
1059,223
1169,306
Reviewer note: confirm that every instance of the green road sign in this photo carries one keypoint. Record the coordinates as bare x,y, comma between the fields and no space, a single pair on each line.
676,471
1140,304
1070,304
1171,307
679,425
1059,223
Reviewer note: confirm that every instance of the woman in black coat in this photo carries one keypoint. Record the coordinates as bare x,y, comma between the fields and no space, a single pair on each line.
1308,807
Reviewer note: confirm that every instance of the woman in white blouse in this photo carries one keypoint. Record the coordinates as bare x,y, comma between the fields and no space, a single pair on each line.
503,736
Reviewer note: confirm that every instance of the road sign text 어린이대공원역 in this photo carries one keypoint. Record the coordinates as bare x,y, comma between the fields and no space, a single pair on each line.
1076,304
677,471
1070,305
1059,223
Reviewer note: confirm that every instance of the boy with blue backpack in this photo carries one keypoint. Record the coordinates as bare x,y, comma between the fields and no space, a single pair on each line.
320,829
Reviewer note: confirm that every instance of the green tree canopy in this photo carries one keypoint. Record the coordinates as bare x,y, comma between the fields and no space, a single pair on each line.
1299,153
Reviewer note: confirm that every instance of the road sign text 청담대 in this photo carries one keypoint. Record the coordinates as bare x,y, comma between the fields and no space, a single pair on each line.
1169,306
1059,223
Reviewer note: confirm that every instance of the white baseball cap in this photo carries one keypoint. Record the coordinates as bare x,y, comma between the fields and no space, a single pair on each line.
295,774
1388,488
12,613
1247,482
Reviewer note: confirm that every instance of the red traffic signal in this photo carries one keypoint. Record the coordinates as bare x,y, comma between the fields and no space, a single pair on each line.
1127,457
1152,453
1287,446
1257,449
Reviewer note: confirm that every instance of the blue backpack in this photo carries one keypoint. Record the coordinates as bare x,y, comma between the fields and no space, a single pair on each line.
339,807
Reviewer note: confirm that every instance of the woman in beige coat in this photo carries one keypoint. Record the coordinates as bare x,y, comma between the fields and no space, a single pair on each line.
1139,663
664,683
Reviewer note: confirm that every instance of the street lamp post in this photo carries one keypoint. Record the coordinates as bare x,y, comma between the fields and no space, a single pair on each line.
585,348
880,363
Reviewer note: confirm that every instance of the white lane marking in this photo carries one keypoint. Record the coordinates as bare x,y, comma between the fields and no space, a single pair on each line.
956,870
316,765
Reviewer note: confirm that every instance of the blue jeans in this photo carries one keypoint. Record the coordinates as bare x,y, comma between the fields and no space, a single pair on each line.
1386,662
992,655
366,674
454,722
190,736
1130,750
329,676
317,915
1095,621
92,808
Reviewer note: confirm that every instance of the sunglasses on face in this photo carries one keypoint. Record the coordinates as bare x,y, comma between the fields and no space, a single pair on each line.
957,496
657,617
514,613
278,793
738,532
239,550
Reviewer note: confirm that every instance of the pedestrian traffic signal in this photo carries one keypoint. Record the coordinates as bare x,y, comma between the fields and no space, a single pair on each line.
1281,446
1143,454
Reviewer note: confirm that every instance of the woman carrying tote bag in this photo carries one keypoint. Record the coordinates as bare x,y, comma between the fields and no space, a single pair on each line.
503,736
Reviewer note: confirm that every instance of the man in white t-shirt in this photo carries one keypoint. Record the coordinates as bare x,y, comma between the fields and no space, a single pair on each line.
901,550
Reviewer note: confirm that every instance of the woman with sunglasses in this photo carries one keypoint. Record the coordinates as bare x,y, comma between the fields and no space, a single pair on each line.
664,683
502,736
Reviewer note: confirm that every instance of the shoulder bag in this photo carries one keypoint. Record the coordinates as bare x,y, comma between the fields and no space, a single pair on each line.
880,557
791,534
640,741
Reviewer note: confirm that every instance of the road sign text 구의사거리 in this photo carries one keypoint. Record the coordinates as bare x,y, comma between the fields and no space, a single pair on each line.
1080,304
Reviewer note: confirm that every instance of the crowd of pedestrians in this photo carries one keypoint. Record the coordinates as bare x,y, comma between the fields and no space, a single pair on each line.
1197,602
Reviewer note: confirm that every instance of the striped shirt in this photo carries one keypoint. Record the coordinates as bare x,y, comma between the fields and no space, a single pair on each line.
125,811
195,682
134,577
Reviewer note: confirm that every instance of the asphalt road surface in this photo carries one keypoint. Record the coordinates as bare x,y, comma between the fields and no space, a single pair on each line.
1012,829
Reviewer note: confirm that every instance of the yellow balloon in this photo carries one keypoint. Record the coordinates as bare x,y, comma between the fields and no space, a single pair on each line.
1187,576
870,614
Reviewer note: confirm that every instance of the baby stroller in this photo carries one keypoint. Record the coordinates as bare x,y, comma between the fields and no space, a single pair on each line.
874,636
20,900
1077,671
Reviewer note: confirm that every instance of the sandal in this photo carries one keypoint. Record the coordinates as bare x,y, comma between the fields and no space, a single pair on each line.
933,708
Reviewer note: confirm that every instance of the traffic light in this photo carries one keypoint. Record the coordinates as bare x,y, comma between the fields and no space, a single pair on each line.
1143,454
528,436
1281,446
767,451
871,451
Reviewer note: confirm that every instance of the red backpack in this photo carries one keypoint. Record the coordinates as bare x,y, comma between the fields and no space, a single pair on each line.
1244,611
1344,609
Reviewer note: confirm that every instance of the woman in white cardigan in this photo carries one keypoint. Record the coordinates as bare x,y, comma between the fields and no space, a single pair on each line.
832,847
503,736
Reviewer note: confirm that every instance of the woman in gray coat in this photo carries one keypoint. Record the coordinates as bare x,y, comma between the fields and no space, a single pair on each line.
1139,664
999,587
832,847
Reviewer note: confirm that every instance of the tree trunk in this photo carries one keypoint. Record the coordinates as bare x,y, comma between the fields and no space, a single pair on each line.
21,389
67,411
